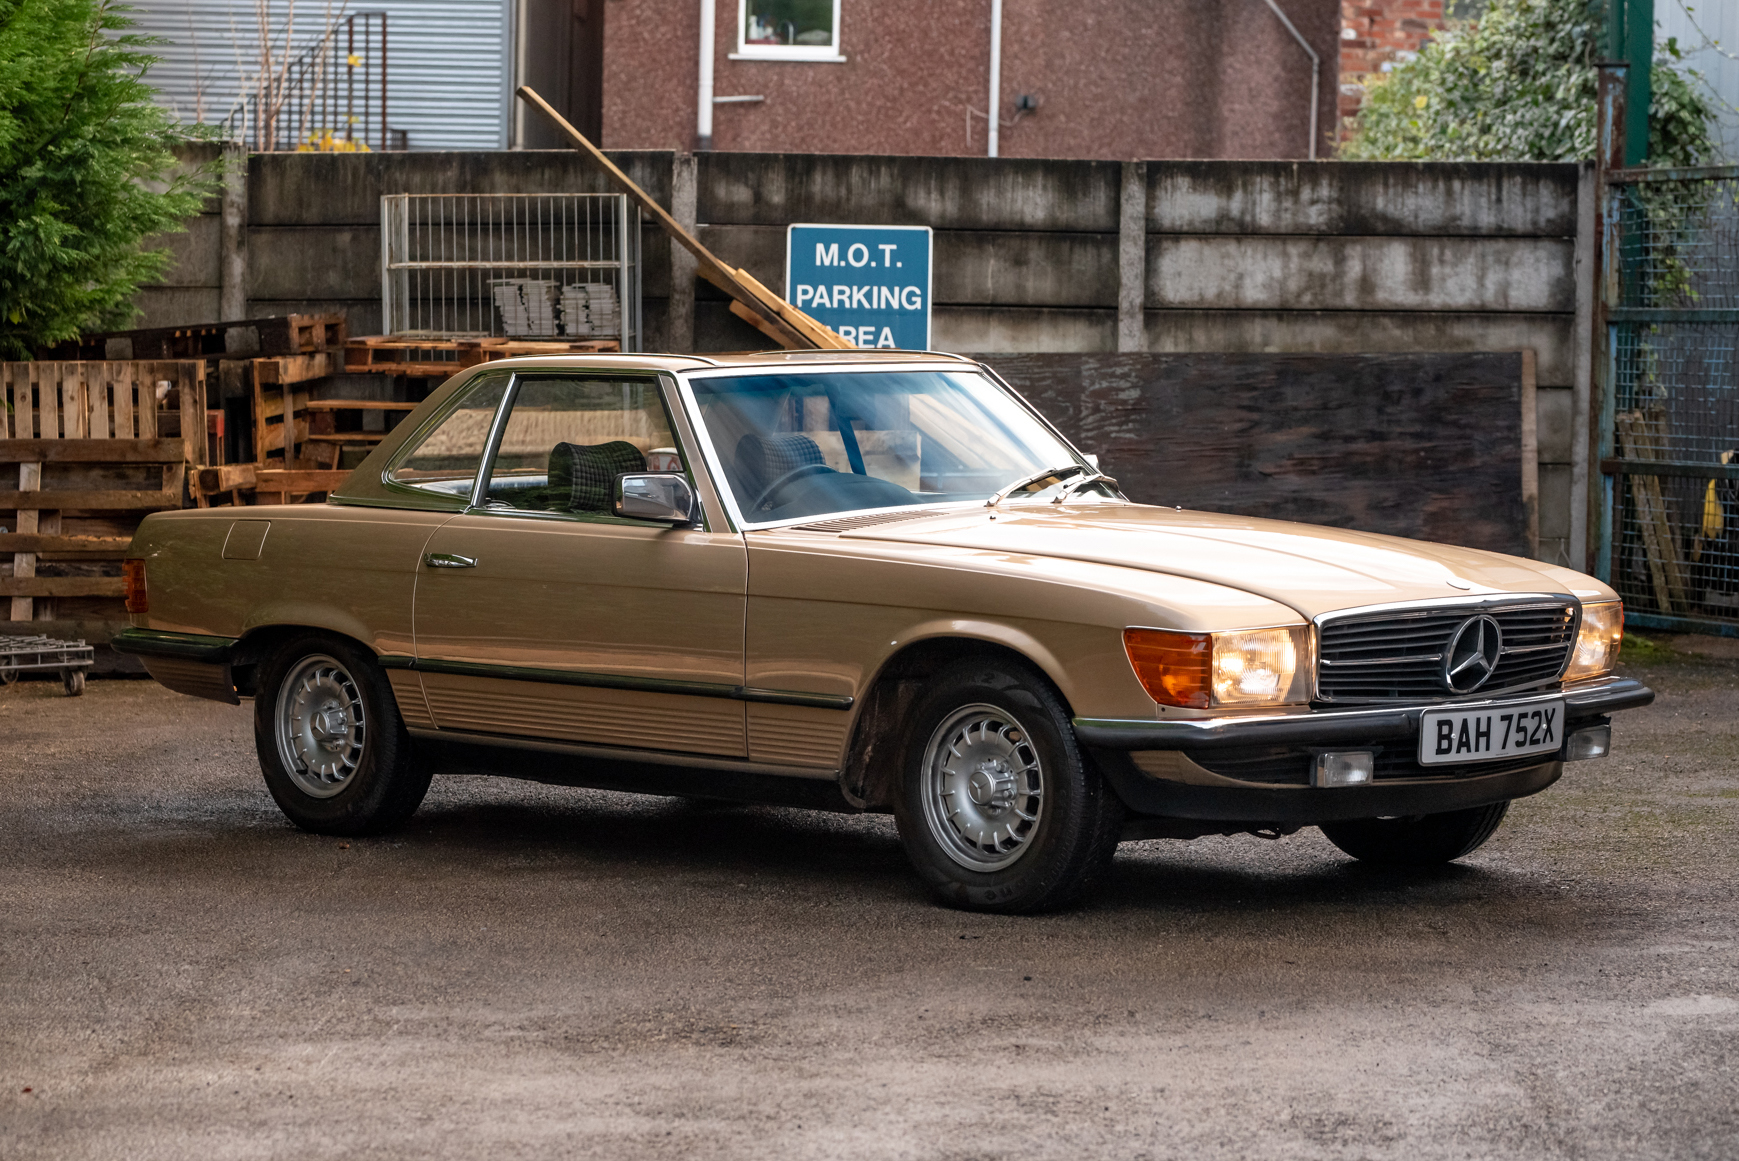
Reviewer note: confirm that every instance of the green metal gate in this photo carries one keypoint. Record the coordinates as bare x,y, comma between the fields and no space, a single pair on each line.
1669,436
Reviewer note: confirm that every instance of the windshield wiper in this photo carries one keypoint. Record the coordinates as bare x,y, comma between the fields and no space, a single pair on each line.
1082,481
1061,473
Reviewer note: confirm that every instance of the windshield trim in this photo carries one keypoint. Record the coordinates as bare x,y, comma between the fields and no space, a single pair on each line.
715,463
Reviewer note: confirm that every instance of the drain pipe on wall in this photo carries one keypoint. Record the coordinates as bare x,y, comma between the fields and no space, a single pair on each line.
996,74
703,113
1315,72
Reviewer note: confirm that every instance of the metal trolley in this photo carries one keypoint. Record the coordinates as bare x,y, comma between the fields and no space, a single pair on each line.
28,654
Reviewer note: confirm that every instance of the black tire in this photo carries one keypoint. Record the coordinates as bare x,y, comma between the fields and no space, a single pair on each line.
73,681
373,784
1059,841
1426,840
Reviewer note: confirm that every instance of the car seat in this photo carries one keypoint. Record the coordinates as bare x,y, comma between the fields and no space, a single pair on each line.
762,459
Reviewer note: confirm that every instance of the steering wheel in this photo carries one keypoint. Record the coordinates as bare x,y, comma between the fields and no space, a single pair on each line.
761,502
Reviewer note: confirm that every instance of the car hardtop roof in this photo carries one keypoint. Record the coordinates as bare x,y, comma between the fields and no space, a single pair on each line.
769,359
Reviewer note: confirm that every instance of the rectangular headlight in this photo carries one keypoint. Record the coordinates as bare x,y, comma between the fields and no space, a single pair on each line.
1598,641
1245,667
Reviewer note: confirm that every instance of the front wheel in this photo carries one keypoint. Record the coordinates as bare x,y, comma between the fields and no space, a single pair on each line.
998,808
1425,840
330,740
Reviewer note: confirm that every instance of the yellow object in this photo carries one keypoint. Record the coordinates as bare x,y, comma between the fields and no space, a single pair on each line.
1713,514
354,60
1421,101
326,142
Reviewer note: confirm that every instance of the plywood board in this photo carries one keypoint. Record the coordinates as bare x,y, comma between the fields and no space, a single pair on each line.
1428,446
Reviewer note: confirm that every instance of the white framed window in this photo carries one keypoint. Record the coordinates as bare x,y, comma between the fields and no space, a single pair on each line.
787,30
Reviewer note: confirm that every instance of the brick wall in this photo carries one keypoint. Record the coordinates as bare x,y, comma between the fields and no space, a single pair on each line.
1377,32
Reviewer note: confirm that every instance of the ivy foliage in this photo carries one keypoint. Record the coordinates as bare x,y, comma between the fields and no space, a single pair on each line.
86,171
1519,85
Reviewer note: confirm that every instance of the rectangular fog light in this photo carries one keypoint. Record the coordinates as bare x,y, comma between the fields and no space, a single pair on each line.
1588,742
1348,768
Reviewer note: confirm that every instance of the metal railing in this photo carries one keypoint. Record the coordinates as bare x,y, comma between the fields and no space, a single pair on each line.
1669,434
331,97
544,266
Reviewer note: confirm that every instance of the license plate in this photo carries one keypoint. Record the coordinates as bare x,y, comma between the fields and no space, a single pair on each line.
1480,735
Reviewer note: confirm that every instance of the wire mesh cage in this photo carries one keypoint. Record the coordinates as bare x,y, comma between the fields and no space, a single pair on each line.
1671,438
522,266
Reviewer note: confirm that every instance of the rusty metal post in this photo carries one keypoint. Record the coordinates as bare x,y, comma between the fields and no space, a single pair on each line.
1608,156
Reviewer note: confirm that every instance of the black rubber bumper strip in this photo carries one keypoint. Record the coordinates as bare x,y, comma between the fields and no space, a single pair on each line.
1329,726
185,646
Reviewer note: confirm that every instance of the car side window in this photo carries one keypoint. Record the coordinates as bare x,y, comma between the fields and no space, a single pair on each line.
567,439
445,461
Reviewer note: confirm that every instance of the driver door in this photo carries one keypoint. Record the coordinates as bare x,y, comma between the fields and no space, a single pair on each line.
543,615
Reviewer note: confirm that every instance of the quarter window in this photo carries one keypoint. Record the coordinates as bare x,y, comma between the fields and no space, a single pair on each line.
787,30
444,461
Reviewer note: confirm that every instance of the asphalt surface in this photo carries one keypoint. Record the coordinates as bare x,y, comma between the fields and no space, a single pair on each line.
537,972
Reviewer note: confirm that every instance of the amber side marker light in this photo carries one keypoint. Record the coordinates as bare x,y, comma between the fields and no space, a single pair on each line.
1174,668
133,586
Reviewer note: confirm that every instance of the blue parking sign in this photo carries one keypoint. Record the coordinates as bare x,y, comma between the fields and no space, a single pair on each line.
869,284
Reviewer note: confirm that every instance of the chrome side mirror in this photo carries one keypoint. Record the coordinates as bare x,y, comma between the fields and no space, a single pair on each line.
662,496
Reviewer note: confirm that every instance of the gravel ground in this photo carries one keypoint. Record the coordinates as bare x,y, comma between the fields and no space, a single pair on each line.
537,972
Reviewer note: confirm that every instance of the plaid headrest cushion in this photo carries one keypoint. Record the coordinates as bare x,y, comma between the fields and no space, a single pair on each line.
584,475
764,458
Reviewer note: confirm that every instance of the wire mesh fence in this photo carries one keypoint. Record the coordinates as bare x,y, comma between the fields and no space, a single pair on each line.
526,266
1678,243
1670,443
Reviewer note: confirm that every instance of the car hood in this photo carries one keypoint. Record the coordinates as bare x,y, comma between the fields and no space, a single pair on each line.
1311,569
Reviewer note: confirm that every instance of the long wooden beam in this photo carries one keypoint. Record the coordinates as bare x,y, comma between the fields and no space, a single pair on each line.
771,314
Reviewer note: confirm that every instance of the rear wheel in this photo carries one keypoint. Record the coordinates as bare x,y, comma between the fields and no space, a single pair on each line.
1425,840
998,809
330,740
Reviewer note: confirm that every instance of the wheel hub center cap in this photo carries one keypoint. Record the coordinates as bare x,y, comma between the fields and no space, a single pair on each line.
992,784
330,725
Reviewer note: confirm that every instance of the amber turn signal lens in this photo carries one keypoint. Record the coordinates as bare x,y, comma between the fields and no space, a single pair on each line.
1172,667
133,585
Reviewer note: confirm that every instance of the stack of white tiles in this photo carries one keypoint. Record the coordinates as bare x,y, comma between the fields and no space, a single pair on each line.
527,305
590,308
511,303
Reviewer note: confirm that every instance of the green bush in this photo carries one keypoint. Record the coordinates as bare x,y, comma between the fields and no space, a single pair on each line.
86,171
1520,85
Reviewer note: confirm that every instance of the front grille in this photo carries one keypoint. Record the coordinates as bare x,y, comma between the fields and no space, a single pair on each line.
1292,765
1398,655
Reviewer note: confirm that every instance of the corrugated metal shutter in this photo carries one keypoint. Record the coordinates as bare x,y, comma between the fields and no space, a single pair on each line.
1717,23
446,60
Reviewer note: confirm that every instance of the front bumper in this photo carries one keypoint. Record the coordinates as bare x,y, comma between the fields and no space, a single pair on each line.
1588,699
1149,763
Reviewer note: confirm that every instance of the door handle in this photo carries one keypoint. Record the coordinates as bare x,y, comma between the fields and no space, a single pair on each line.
449,560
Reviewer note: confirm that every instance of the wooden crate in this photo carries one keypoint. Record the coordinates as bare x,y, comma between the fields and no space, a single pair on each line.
93,447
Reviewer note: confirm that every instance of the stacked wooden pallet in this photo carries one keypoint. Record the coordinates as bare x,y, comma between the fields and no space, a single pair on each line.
93,448
286,334
428,356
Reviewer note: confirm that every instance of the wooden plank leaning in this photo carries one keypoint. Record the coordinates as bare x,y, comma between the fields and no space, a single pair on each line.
753,302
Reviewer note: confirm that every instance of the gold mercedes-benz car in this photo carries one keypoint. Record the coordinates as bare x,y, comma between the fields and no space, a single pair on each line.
864,581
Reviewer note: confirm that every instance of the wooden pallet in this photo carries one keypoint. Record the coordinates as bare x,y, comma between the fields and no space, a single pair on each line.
104,443
430,357
285,334
280,413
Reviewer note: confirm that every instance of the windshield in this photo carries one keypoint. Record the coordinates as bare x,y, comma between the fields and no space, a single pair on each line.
796,445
